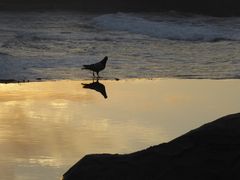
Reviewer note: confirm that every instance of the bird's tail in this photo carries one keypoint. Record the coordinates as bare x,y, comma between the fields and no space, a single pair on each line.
85,67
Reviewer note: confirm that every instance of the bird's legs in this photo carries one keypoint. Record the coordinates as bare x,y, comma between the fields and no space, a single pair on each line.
98,75
95,76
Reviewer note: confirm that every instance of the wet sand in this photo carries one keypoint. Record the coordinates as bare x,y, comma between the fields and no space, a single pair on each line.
45,127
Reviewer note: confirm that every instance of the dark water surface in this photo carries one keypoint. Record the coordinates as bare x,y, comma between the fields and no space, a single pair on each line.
55,44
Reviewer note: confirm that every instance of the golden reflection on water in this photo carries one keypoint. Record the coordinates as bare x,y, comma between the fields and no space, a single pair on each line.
46,127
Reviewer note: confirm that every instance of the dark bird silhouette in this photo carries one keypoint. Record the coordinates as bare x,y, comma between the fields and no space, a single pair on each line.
97,67
97,86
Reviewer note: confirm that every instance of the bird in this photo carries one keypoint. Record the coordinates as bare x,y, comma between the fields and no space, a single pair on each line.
97,67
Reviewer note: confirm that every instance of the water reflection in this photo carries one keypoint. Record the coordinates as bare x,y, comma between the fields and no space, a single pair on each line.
97,86
46,127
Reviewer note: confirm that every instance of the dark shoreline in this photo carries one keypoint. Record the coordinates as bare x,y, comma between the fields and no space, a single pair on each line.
13,81
208,152
9,81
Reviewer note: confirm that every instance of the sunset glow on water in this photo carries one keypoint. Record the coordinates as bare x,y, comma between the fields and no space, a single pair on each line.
45,127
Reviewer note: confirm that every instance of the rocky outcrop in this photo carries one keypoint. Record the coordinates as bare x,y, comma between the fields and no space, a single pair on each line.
209,152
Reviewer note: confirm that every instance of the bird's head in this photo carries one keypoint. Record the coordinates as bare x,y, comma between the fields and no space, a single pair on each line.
105,59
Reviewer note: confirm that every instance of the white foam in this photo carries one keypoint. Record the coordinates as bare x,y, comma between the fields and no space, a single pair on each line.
177,30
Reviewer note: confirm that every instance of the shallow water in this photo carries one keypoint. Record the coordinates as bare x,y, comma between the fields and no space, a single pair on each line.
46,127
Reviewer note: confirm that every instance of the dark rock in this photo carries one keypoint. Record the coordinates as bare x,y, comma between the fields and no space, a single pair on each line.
210,152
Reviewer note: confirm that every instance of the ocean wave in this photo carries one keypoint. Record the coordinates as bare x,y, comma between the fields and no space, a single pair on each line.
172,30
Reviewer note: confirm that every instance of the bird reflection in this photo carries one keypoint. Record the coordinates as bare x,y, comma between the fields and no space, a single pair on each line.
97,86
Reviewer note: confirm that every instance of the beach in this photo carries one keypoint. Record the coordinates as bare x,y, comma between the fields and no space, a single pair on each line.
175,76
169,77
46,127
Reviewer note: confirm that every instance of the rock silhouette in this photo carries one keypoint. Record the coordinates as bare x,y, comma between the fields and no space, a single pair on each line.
209,152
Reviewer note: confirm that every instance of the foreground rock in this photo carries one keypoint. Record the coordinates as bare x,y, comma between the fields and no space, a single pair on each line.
209,152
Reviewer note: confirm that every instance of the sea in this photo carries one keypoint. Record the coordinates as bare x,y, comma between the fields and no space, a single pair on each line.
53,45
